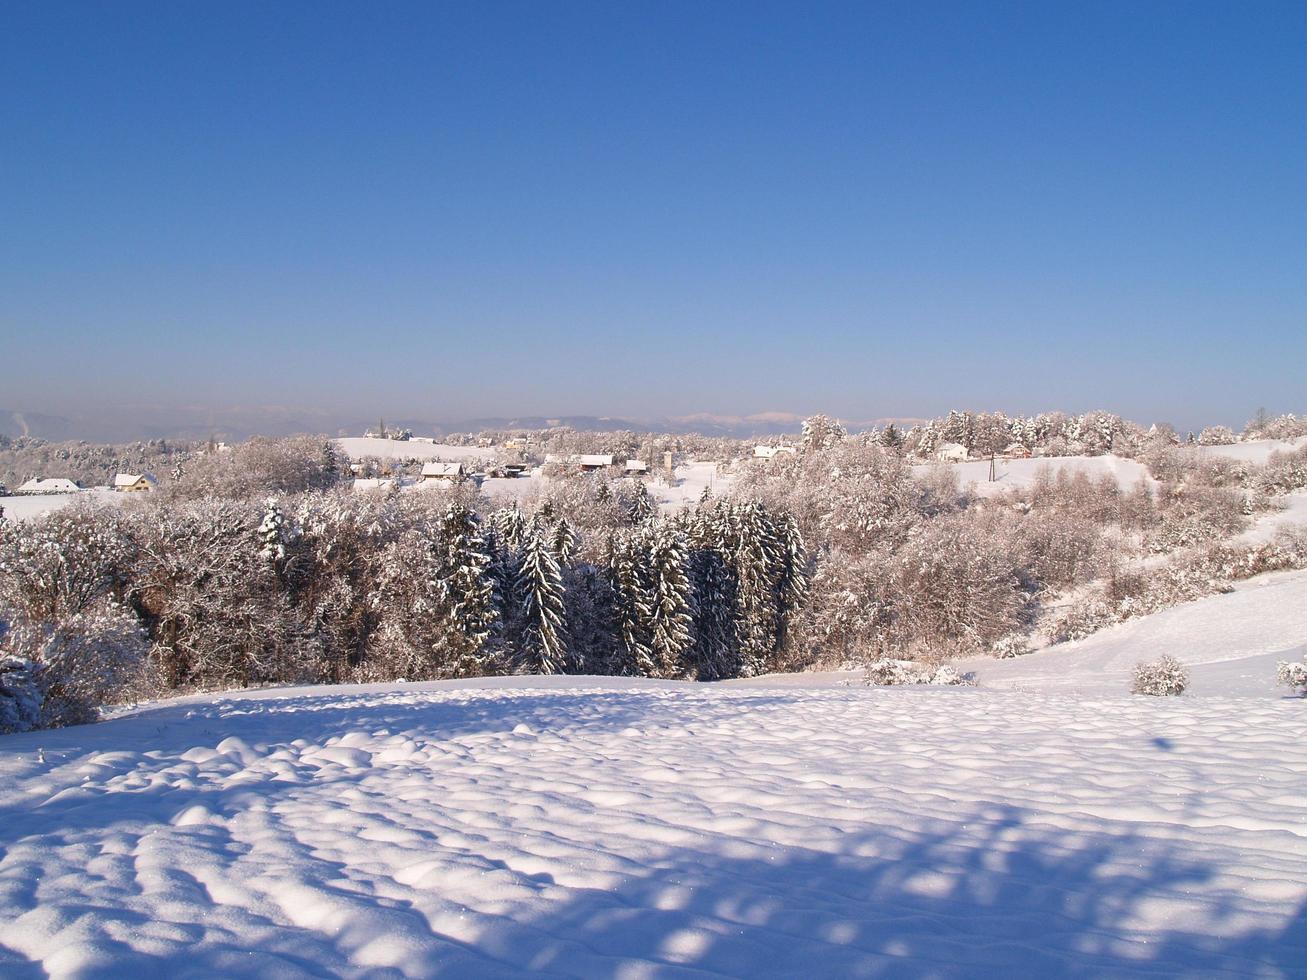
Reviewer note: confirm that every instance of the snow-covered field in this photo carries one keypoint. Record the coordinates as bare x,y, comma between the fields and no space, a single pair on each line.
1230,643
1254,451
1011,473
358,447
587,827
24,507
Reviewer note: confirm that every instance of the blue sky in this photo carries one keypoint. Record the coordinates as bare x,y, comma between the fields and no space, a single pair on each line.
453,210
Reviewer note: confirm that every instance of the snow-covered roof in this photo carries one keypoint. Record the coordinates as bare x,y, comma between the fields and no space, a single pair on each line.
58,485
636,466
434,468
769,452
131,479
595,459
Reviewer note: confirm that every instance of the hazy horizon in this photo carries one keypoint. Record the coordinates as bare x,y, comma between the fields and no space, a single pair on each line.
642,212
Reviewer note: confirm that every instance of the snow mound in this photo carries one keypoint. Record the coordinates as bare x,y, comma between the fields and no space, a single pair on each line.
655,829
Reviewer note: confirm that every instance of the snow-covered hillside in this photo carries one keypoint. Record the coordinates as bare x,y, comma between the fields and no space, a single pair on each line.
1254,450
579,827
25,507
1011,473
1231,644
360,447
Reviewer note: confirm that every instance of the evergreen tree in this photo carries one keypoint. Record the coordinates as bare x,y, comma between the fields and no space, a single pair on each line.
632,604
670,621
641,507
715,651
465,586
543,641
272,533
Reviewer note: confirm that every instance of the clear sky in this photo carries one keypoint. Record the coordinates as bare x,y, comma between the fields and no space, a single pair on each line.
451,210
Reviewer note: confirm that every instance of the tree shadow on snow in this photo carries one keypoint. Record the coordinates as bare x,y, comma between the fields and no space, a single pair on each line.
993,896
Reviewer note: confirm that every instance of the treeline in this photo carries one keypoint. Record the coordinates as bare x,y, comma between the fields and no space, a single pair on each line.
337,586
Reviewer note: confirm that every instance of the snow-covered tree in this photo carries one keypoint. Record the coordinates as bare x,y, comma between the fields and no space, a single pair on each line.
821,432
632,602
542,645
670,621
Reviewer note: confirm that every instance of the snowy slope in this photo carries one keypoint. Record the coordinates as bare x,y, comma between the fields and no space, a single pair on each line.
570,827
24,507
1230,642
1254,451
360,447
1011,473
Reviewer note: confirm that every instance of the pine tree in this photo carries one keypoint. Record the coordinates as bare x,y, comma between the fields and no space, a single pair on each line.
715,652
464,582
543,643
641,507
670,622
564,541
272,533
632,604
757,570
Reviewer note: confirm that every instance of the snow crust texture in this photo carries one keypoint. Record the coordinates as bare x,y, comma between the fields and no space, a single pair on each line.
646,829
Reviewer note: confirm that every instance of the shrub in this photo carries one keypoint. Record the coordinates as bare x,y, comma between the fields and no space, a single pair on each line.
1164,677
61,674
896,672
1293,675
1010,646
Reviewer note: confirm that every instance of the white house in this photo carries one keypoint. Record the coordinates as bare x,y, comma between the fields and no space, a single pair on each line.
48,486
445,472
951,452
771,452
595,461
637,466
135,482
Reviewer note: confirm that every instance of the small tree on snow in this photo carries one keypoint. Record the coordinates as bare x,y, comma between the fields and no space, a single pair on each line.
1293,675
272,533
1164,677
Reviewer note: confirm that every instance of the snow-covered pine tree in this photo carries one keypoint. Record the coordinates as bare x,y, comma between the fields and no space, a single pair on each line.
510,524
465,582
542,646
642,507
821,432
564,541
757,564
272,533
632,603
715,651
670,622
792,571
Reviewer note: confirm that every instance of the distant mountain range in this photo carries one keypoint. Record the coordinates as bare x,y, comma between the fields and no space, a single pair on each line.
157,422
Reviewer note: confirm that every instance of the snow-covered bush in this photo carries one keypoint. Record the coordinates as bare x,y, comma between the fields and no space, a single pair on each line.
1010,646
1163,677
1216,435
20,695
63,673
896,672
1292,674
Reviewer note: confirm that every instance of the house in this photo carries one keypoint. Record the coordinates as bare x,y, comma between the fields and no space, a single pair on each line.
446,472
951,452
1016,451
771,452
48,486
637,466
590,462
514,471
135,482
